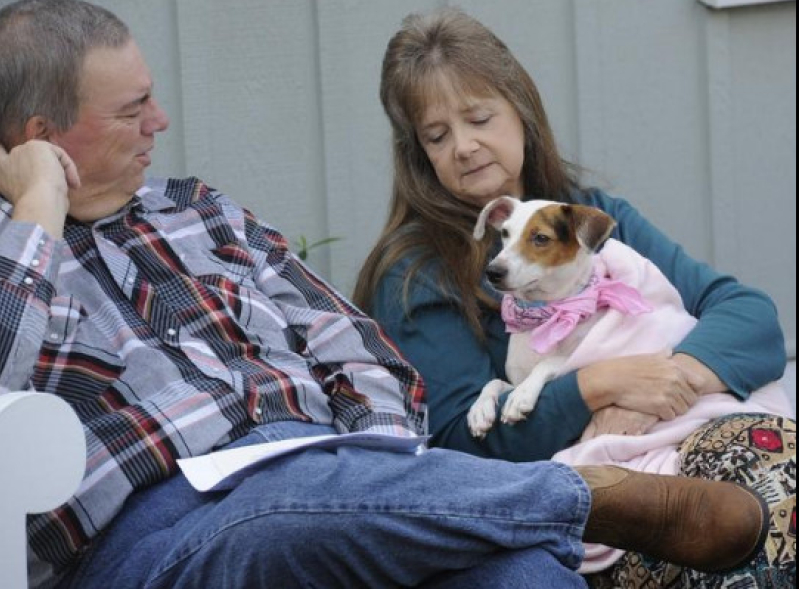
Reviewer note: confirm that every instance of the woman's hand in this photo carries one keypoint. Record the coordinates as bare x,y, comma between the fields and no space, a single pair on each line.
617,420
656,384
704,379
36,177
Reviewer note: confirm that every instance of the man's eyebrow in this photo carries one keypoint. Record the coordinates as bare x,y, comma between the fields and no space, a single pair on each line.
145,96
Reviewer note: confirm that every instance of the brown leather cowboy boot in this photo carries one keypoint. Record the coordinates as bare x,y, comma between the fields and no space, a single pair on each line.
710,526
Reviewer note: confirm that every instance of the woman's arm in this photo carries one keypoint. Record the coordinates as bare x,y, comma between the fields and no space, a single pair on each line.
736,346
738,339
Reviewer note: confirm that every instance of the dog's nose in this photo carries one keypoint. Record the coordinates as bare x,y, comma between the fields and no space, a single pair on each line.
496,274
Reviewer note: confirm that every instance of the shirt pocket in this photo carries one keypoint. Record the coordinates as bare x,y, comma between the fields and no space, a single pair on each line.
260,319
65,315
75,361
230,261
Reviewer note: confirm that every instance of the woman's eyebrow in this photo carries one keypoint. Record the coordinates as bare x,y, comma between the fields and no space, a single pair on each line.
465,109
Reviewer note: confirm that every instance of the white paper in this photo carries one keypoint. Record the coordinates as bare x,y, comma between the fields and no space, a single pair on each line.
226,468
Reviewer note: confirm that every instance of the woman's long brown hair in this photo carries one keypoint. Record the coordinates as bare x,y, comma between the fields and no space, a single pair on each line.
426,223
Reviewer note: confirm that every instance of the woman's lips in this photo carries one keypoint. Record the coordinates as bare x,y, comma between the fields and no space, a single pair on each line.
477,170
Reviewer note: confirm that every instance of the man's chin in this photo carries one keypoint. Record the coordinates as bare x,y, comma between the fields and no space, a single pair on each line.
99,205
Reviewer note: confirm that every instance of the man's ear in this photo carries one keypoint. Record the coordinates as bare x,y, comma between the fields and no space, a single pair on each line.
36,127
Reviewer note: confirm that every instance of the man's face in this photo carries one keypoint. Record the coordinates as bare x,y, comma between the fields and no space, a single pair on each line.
115,131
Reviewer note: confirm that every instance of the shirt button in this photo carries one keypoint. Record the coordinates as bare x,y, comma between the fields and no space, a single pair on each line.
171,331
27,280
259,411
41,242
34,263
131,280
54,336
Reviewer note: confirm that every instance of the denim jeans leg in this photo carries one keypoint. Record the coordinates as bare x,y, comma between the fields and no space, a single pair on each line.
530,568
350,518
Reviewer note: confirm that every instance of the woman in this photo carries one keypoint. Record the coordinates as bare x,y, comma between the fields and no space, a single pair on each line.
468,126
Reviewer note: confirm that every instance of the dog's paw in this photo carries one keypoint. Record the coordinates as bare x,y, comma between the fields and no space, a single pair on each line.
519,404
481,416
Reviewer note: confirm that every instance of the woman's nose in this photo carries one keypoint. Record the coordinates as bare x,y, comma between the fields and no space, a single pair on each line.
465,144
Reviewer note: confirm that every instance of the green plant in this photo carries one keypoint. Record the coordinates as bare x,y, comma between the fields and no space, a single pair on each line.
304,246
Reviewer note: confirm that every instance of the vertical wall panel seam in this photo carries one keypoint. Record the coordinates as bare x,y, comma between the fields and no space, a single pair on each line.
721,143
177,46
324,196
589,83
196,121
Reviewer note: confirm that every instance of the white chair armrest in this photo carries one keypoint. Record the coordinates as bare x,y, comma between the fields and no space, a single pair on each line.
42,461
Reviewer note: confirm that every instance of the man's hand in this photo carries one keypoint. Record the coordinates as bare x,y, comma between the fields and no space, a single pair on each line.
36,177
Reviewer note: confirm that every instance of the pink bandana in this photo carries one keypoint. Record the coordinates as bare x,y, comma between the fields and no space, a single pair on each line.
549,323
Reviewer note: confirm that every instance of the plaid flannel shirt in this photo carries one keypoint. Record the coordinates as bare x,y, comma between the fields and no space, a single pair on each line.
173,327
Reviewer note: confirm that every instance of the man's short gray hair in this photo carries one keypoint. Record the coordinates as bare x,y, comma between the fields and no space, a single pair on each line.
43,44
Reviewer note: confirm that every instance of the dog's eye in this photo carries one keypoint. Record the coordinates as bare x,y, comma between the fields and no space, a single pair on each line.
504,234
540,239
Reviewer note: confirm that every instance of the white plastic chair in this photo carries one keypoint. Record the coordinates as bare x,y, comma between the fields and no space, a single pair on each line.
42,460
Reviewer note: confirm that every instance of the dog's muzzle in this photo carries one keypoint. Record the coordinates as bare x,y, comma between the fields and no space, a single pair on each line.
496,274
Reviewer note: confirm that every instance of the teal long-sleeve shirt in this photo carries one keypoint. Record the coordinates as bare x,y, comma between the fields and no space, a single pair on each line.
738,337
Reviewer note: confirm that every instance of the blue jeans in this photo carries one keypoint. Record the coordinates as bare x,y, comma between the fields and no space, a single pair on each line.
350,518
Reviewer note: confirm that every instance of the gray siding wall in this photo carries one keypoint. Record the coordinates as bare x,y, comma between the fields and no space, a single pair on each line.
686,111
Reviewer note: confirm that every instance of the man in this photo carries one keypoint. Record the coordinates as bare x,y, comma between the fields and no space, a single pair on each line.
176,323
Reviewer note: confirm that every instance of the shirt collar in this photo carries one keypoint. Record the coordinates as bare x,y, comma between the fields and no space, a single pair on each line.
145,200
152,199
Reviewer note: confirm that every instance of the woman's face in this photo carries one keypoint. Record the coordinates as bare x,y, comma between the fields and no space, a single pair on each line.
475,144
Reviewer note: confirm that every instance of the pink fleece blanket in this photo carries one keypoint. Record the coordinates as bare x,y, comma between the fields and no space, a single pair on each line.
616,335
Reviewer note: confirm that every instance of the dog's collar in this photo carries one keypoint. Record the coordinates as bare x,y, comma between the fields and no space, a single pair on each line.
551,322
523,304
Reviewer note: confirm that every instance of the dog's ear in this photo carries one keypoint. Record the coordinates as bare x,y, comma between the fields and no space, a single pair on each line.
591,225
494,213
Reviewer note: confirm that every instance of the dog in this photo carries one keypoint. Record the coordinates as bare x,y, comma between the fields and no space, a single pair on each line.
568,305
548,255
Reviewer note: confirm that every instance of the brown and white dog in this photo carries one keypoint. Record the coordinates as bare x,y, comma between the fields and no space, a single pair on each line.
547,255
589,306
